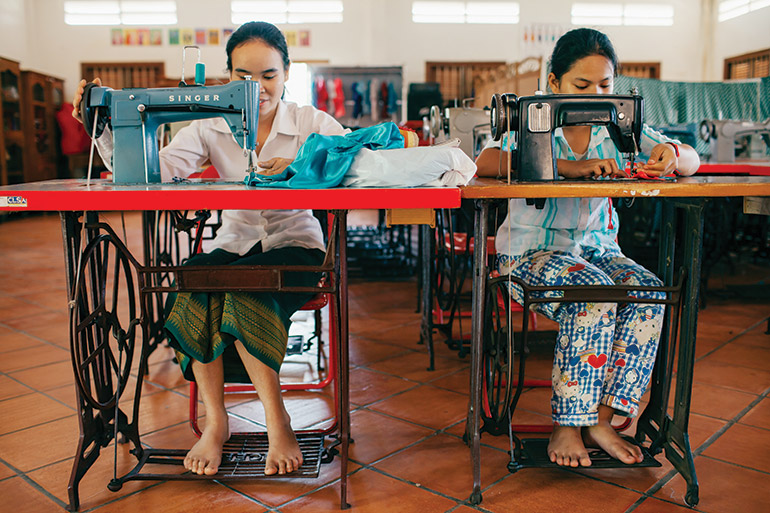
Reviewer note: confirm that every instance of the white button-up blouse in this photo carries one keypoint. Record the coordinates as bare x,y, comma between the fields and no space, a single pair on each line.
211,139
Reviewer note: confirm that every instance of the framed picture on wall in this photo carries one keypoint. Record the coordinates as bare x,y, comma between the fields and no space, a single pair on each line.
116,35
156,37
173,36
130,37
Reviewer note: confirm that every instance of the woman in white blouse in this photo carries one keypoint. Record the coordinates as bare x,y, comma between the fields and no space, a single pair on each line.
243,336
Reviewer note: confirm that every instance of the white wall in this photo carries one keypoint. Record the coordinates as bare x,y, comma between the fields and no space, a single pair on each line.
13,30
738,36
380,32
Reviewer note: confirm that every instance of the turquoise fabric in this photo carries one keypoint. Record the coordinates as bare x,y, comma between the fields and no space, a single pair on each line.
323,160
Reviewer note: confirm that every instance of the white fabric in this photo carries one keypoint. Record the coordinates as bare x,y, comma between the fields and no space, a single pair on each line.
444,165
211,139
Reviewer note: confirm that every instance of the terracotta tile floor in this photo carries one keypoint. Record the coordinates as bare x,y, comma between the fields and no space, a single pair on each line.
407,422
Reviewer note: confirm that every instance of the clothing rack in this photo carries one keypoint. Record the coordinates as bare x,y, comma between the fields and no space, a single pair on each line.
349,114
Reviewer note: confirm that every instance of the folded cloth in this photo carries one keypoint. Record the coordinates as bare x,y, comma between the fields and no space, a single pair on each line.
430,166
324,159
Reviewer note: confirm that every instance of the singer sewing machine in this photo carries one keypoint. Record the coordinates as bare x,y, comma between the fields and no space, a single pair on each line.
533,119
726,137
468,124
134,116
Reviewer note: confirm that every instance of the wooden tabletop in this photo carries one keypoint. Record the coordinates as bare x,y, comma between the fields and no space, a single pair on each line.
691,186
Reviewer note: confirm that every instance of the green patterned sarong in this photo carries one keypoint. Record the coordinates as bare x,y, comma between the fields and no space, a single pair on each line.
203,326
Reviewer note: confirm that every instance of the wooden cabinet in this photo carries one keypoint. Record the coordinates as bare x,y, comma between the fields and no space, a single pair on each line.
11,131
42,96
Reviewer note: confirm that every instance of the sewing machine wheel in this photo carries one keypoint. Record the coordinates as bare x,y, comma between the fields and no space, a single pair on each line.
102,351
87,113
448,274
503,114
435,121
706,131
497,117
497,361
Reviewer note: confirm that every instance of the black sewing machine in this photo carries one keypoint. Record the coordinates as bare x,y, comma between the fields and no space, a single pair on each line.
531,120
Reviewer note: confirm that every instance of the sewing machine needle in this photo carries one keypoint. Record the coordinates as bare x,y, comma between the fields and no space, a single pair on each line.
251,162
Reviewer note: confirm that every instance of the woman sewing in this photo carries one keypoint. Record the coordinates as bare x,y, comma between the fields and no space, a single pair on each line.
221,336
604,353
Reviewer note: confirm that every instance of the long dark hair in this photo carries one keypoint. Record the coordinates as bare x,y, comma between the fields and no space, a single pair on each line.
577,44
261,30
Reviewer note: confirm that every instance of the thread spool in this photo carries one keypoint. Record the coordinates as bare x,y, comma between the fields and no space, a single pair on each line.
200,73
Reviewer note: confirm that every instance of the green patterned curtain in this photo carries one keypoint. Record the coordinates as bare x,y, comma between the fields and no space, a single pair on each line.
685,104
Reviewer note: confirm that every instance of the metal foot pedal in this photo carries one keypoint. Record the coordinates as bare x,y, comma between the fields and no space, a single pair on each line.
243,457
534,454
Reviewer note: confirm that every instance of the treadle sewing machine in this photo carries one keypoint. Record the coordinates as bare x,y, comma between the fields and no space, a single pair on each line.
469,125
111,336
498,357
134,116
533,119
725,139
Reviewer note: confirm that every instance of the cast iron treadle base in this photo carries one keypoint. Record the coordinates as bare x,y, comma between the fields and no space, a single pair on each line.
534,454
243,458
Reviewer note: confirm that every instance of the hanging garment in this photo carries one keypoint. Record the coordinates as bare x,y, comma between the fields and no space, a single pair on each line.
374,98
321,96
384,100
366,103
332,94
357,100
392,99
324,159
339,99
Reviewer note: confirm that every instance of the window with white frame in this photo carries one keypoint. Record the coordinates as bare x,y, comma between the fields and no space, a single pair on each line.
120,12
286,11
730,9
465,12
623,14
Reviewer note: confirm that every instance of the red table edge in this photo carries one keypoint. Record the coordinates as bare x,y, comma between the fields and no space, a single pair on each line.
19,199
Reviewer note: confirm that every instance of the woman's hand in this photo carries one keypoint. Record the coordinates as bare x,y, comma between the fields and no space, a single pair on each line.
79,97
663,161
274,166
588,168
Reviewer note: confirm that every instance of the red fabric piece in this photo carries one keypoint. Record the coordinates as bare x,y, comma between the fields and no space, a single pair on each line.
339,99
321,95
74,139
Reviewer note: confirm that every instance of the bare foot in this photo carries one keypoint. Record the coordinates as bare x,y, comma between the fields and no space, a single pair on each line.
283,453
566,447
603,435
206,455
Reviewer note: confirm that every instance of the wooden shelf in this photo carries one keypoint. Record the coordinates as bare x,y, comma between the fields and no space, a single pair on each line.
11,121
41,97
